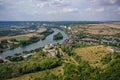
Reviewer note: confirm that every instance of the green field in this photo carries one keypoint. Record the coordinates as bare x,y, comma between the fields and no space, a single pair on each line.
74,64
102,29
21,38
32,76
93,54
18,37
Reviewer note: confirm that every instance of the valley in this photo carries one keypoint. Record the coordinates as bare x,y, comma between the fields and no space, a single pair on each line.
84,53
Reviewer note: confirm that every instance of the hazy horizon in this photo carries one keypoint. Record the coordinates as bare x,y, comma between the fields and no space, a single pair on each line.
59,10
54,21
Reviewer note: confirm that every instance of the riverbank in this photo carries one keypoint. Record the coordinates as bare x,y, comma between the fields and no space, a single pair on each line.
41,43
58,36
13,42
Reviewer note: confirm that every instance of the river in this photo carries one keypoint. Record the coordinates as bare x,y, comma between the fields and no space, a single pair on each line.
41,43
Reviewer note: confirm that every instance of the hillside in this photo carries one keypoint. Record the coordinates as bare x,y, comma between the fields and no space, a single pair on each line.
93,54
42,74
83,62
102,28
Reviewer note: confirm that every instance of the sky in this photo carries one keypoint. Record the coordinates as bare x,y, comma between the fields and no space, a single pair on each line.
59,10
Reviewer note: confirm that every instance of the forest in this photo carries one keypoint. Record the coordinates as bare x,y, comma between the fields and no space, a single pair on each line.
78,70
58,36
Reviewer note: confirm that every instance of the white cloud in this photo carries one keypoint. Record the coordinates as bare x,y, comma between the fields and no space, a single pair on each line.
69,10
45,8
112,1
118,10
94,1
88,9
100,9
41,5
64,10
52,12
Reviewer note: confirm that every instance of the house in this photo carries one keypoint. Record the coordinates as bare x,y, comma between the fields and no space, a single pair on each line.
62,26
68,41
49,46
50,49
27,55
69,28
52,52
89,41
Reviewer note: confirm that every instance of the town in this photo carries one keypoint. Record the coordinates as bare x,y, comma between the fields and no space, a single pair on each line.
75,46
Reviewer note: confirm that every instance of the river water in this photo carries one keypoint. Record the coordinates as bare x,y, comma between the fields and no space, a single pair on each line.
41,43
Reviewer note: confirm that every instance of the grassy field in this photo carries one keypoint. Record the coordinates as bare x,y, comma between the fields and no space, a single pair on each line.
40,30
25,36
21,38
32,76
103,28
18,37
93,54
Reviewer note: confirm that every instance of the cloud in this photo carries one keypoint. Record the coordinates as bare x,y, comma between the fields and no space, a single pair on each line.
118,10
44,0
88,9
100,9
61,9
57,3
60,3
70,10
2,6
42,5
93,1
52,12
112,1
64,10
106,2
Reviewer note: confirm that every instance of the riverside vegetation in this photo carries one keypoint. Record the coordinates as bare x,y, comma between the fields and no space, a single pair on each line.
21,40
84,56
69,66
58,36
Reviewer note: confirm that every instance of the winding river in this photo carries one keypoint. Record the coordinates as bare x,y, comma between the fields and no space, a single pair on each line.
41,43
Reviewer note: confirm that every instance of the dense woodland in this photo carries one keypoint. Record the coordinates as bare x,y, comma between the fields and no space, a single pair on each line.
4,44
46,33
74,67
58,36
9,70
30,41
81,71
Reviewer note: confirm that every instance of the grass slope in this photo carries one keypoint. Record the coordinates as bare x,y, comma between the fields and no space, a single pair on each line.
32,76
103,28
93,54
